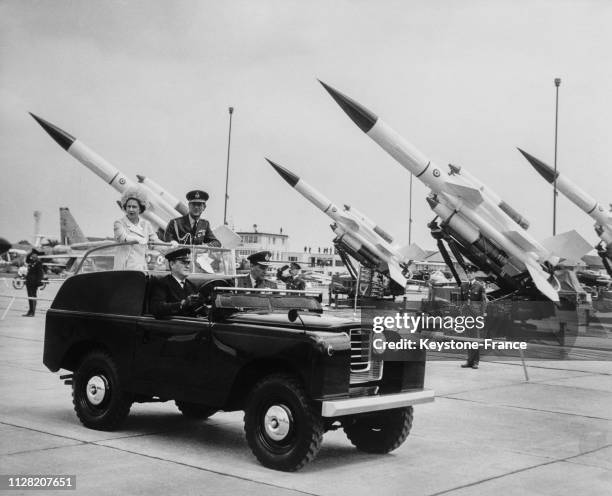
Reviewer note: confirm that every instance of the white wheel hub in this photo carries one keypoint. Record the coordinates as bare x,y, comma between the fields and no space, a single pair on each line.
277,422
97,386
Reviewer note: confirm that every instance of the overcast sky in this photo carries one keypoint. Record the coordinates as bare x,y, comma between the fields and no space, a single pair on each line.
147,85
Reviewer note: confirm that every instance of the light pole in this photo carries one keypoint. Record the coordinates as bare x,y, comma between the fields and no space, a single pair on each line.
229,142
557,84
410,214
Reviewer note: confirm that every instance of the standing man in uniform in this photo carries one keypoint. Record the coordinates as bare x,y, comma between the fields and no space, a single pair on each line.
174,294
192,229
474,296
257,276
34,277
293,280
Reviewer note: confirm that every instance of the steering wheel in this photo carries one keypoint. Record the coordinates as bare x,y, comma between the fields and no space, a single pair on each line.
206,290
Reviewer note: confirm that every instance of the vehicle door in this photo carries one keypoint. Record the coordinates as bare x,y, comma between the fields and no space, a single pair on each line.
172,356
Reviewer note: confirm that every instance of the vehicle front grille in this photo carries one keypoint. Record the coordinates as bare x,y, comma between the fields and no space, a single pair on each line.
364,367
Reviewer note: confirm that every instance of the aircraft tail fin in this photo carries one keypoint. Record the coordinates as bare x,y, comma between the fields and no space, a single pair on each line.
70,232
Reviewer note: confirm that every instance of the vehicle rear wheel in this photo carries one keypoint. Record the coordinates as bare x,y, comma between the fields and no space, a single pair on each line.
379,432
195,411
97,394
282,426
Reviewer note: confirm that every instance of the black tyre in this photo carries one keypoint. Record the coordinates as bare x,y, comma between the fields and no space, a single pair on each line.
97,394
282,425
379,432
194,410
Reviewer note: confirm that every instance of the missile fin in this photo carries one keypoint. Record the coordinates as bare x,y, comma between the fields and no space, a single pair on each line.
568,245
471,195
541,282
351,224
396,274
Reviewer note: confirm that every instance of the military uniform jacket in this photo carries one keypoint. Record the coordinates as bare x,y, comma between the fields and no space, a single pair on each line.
180,230
166,296
245,282
294,283
36,273
475,296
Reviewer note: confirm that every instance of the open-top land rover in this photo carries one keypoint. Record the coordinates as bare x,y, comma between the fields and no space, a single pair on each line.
293,370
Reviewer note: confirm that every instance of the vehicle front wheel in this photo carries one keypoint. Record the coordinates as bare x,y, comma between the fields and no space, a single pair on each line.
282,425
194,410
379,432
97,394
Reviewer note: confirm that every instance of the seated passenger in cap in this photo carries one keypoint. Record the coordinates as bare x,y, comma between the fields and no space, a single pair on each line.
256,278
192,229
175,294
293,279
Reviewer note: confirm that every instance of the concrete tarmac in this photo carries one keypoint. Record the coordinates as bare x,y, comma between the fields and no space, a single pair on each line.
488,432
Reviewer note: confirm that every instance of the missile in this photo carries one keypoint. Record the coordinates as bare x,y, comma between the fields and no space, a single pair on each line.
459,194
490,195
471,235
358,235
370,223
579,197
104,170
171,200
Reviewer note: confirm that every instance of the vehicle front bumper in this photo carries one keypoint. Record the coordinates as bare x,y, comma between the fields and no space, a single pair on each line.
350,406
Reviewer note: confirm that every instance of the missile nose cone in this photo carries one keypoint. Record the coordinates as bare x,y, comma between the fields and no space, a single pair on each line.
544,170
140,178
360,115
432,201
61,137
287,175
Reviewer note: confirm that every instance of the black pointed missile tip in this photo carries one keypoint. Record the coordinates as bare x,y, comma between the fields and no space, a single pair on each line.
360,115
287,175
544,170
432,202
61,137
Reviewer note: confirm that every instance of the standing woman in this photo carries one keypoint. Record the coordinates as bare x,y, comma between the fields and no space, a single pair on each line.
34,277
132,228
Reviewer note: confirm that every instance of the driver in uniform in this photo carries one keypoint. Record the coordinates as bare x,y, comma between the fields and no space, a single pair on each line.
175,294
